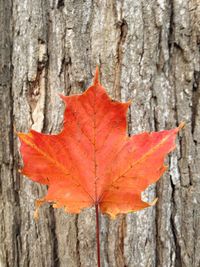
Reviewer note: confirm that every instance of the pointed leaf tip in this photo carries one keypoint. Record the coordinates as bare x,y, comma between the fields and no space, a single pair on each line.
181,125
126,166
96,76
38,203
153,202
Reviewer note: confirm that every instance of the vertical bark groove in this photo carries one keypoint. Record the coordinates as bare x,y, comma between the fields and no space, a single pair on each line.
148,52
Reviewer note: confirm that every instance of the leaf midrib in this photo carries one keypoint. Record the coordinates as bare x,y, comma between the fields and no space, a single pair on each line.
151,151
57,163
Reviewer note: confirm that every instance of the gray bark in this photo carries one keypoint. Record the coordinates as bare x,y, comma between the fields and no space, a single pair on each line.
148,51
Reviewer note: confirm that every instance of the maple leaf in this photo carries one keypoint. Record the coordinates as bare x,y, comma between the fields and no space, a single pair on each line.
92,161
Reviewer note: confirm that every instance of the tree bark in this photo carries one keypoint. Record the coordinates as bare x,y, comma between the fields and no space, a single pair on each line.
147,51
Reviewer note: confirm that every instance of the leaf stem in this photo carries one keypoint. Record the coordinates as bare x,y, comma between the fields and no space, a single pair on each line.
97,235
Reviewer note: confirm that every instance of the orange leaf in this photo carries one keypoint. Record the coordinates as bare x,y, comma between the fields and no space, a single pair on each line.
93,161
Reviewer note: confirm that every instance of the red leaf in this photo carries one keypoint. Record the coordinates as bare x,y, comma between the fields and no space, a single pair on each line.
93,161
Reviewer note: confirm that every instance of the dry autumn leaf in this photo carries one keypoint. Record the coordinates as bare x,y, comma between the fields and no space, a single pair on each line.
93,161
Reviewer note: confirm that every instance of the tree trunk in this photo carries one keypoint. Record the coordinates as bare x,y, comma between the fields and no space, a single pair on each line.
147,51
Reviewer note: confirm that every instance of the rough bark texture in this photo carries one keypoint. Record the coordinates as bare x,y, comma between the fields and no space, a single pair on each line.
148,51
